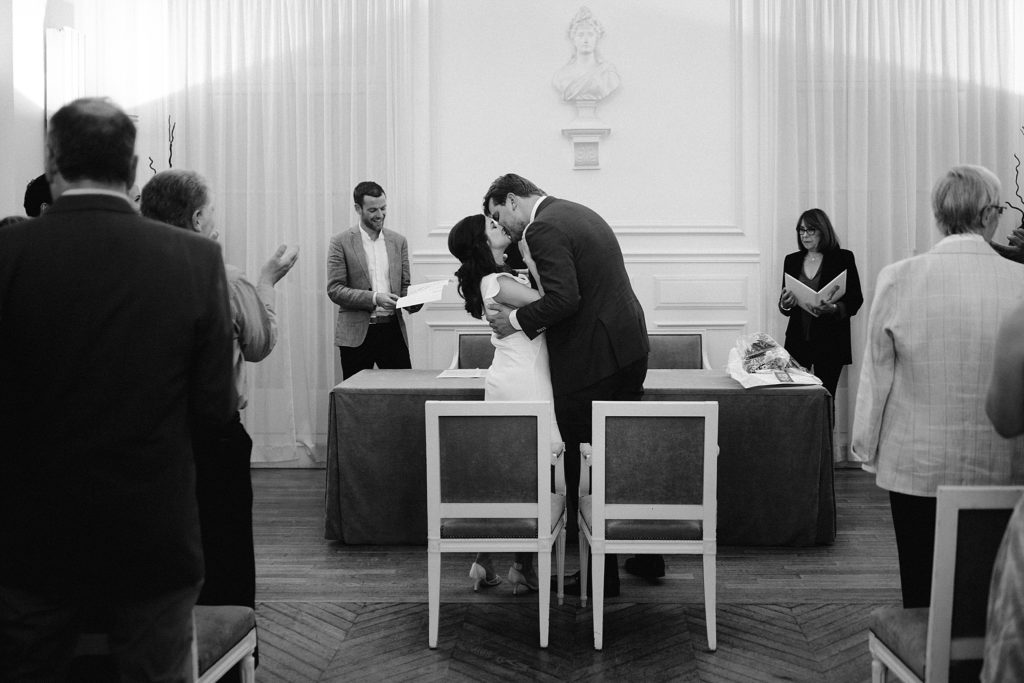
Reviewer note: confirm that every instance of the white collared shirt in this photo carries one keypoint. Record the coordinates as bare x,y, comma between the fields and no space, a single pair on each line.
376,253
513,319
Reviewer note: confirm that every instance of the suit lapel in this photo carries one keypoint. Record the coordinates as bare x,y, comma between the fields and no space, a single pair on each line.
394,263
355,244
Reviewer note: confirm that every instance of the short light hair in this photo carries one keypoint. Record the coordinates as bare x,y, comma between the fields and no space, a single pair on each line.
960,196
174,196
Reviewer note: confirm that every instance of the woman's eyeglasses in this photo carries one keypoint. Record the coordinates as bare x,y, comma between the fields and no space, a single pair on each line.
806,231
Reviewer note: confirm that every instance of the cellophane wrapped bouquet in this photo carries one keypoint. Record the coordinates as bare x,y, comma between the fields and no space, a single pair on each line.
759,360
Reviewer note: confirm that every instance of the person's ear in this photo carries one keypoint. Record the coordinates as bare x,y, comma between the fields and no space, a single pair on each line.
131,172
195,220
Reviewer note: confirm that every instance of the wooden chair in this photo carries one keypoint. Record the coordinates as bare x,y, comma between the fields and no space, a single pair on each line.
945,641
672,351
225,640
489,489
473,350
654,471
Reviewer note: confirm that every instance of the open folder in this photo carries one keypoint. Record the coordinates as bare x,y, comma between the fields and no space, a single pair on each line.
808,299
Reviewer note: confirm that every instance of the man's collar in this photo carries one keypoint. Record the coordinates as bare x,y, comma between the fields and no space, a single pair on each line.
81,191
536,205
366,233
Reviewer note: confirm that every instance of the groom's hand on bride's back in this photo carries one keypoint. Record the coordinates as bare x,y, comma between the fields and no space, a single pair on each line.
497,316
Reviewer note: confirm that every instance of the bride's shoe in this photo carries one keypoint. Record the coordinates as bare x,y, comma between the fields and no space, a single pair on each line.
517,578
479,576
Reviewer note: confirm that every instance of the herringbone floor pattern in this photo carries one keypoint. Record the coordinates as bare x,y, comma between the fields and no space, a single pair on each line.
329,612
302,642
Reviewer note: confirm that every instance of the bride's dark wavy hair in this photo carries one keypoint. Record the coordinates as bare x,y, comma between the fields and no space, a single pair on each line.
467,242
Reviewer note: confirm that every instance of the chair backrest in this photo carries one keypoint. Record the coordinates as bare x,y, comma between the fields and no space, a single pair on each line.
473,350
675,351
488,460
655,461
969,526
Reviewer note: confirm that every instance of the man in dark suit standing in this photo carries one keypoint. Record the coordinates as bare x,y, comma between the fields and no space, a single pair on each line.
115,337
596,332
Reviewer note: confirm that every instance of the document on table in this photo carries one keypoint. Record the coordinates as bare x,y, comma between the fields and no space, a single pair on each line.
807,298
462,372
422,293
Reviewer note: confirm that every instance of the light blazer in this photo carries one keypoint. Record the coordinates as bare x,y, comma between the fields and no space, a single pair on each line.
830,335
920,418
350,287
595,325
115,338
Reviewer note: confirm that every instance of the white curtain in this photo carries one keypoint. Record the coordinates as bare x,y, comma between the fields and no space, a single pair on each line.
283,107
863,105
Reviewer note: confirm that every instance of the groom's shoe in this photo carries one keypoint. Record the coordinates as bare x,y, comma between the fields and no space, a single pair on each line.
648,567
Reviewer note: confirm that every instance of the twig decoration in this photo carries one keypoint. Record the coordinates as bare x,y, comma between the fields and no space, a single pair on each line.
170,141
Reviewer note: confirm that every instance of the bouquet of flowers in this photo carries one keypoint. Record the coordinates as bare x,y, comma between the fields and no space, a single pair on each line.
757,360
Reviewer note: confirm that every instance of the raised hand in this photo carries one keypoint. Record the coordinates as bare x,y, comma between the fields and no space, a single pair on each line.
278,265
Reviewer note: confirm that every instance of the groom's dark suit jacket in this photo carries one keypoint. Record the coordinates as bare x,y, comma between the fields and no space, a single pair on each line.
115,335
595,325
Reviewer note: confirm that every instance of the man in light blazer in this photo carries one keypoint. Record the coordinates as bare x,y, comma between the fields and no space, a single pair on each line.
596,331
367,272
115,341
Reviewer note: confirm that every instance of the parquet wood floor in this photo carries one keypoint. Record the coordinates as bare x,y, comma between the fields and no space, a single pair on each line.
330,612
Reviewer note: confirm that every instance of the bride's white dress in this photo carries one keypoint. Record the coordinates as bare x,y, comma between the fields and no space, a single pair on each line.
520,370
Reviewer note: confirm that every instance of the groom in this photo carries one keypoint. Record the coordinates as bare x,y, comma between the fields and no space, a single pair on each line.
596,332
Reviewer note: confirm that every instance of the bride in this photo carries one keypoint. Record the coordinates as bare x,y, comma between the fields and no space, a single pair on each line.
519,371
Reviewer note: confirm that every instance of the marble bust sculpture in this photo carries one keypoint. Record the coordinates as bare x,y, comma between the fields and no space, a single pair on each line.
586,77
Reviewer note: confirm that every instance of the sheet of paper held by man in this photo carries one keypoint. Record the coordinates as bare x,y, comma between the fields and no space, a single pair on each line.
808,299
422,293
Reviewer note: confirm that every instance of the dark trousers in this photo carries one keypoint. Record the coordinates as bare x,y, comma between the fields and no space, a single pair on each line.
149,639
913,519
384,346
573,411
827,371
224,494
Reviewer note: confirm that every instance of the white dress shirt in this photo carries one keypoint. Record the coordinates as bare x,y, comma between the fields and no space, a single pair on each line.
376,252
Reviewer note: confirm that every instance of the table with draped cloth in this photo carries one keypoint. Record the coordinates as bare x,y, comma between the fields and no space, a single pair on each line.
775,483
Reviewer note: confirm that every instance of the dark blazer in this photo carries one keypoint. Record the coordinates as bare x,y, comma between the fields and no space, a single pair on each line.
594,322
115,335
830,335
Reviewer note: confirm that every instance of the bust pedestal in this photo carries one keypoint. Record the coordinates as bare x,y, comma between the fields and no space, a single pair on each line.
586,131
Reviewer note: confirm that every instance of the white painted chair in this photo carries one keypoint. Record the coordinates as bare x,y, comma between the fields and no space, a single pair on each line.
945,641
489,490
654,490
225,640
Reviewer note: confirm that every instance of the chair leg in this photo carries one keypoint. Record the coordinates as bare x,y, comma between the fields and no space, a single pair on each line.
433,596
584,556
598,597
710,608
544,594
560,566
877,671
248,669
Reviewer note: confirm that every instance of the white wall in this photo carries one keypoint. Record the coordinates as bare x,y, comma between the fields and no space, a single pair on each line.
670,181
22,121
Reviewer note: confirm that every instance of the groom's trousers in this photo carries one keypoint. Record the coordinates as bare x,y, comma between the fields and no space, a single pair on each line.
573,411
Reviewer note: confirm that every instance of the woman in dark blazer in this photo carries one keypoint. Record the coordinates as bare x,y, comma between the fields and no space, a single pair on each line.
821,344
